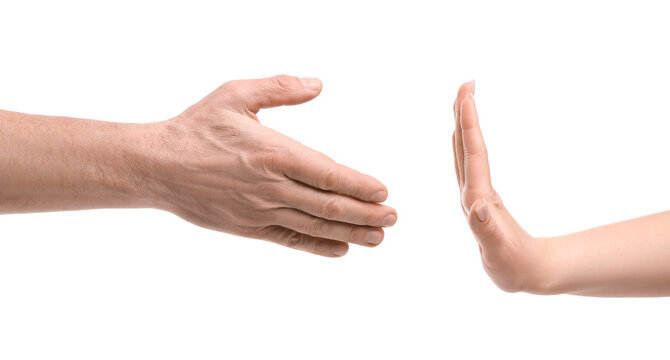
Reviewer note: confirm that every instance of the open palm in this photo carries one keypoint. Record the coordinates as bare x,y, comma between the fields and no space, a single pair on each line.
511,257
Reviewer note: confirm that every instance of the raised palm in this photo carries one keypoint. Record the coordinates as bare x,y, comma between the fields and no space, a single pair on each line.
513,259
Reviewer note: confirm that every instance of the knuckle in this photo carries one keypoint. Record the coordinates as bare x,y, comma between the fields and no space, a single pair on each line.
232,87
478,151
317,227
273,233
329,179
286,82
333,208
495,200
371,219
295,241
352,234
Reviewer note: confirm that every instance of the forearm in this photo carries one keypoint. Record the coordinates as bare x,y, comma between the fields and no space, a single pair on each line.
630,258
58,163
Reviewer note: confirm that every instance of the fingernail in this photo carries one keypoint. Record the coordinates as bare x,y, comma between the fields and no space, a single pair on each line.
379,196
482,211
389,220
473,86
373,237
340,249
311,83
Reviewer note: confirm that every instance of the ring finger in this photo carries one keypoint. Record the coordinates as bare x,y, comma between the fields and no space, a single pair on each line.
322,228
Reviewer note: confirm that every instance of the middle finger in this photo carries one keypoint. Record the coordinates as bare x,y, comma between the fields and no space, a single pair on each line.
332,206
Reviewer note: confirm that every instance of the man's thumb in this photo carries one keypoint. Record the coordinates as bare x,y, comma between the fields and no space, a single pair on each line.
279,90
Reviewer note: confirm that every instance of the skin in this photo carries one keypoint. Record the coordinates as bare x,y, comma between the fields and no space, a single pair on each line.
630,258
214,165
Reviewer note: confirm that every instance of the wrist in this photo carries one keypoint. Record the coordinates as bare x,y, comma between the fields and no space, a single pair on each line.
158,153
546,278
135,166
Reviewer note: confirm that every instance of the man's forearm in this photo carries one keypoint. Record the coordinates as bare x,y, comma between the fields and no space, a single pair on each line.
214,165
629,258
57,163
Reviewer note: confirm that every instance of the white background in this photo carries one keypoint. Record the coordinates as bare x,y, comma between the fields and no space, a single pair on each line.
573,101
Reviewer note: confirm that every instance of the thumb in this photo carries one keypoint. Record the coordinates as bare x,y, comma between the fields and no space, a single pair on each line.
483,225
253,95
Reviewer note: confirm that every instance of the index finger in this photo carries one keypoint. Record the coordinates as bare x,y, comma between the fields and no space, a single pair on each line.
317,170
476,163
466,88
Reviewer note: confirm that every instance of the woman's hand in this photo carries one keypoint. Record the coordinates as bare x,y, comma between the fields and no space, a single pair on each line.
511,257
219,168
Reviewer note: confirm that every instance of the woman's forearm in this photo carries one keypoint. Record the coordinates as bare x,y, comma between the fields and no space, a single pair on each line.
57,163
629,258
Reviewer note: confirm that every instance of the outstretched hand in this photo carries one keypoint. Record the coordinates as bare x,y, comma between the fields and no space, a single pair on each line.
221,169
511,257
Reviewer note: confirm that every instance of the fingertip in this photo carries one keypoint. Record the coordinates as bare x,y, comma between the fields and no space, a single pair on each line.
468,110
312,84
467,88
379,196
370,189
390,219
374,237
339,249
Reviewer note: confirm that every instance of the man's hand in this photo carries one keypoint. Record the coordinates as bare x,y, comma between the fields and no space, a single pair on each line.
219,168
511,257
